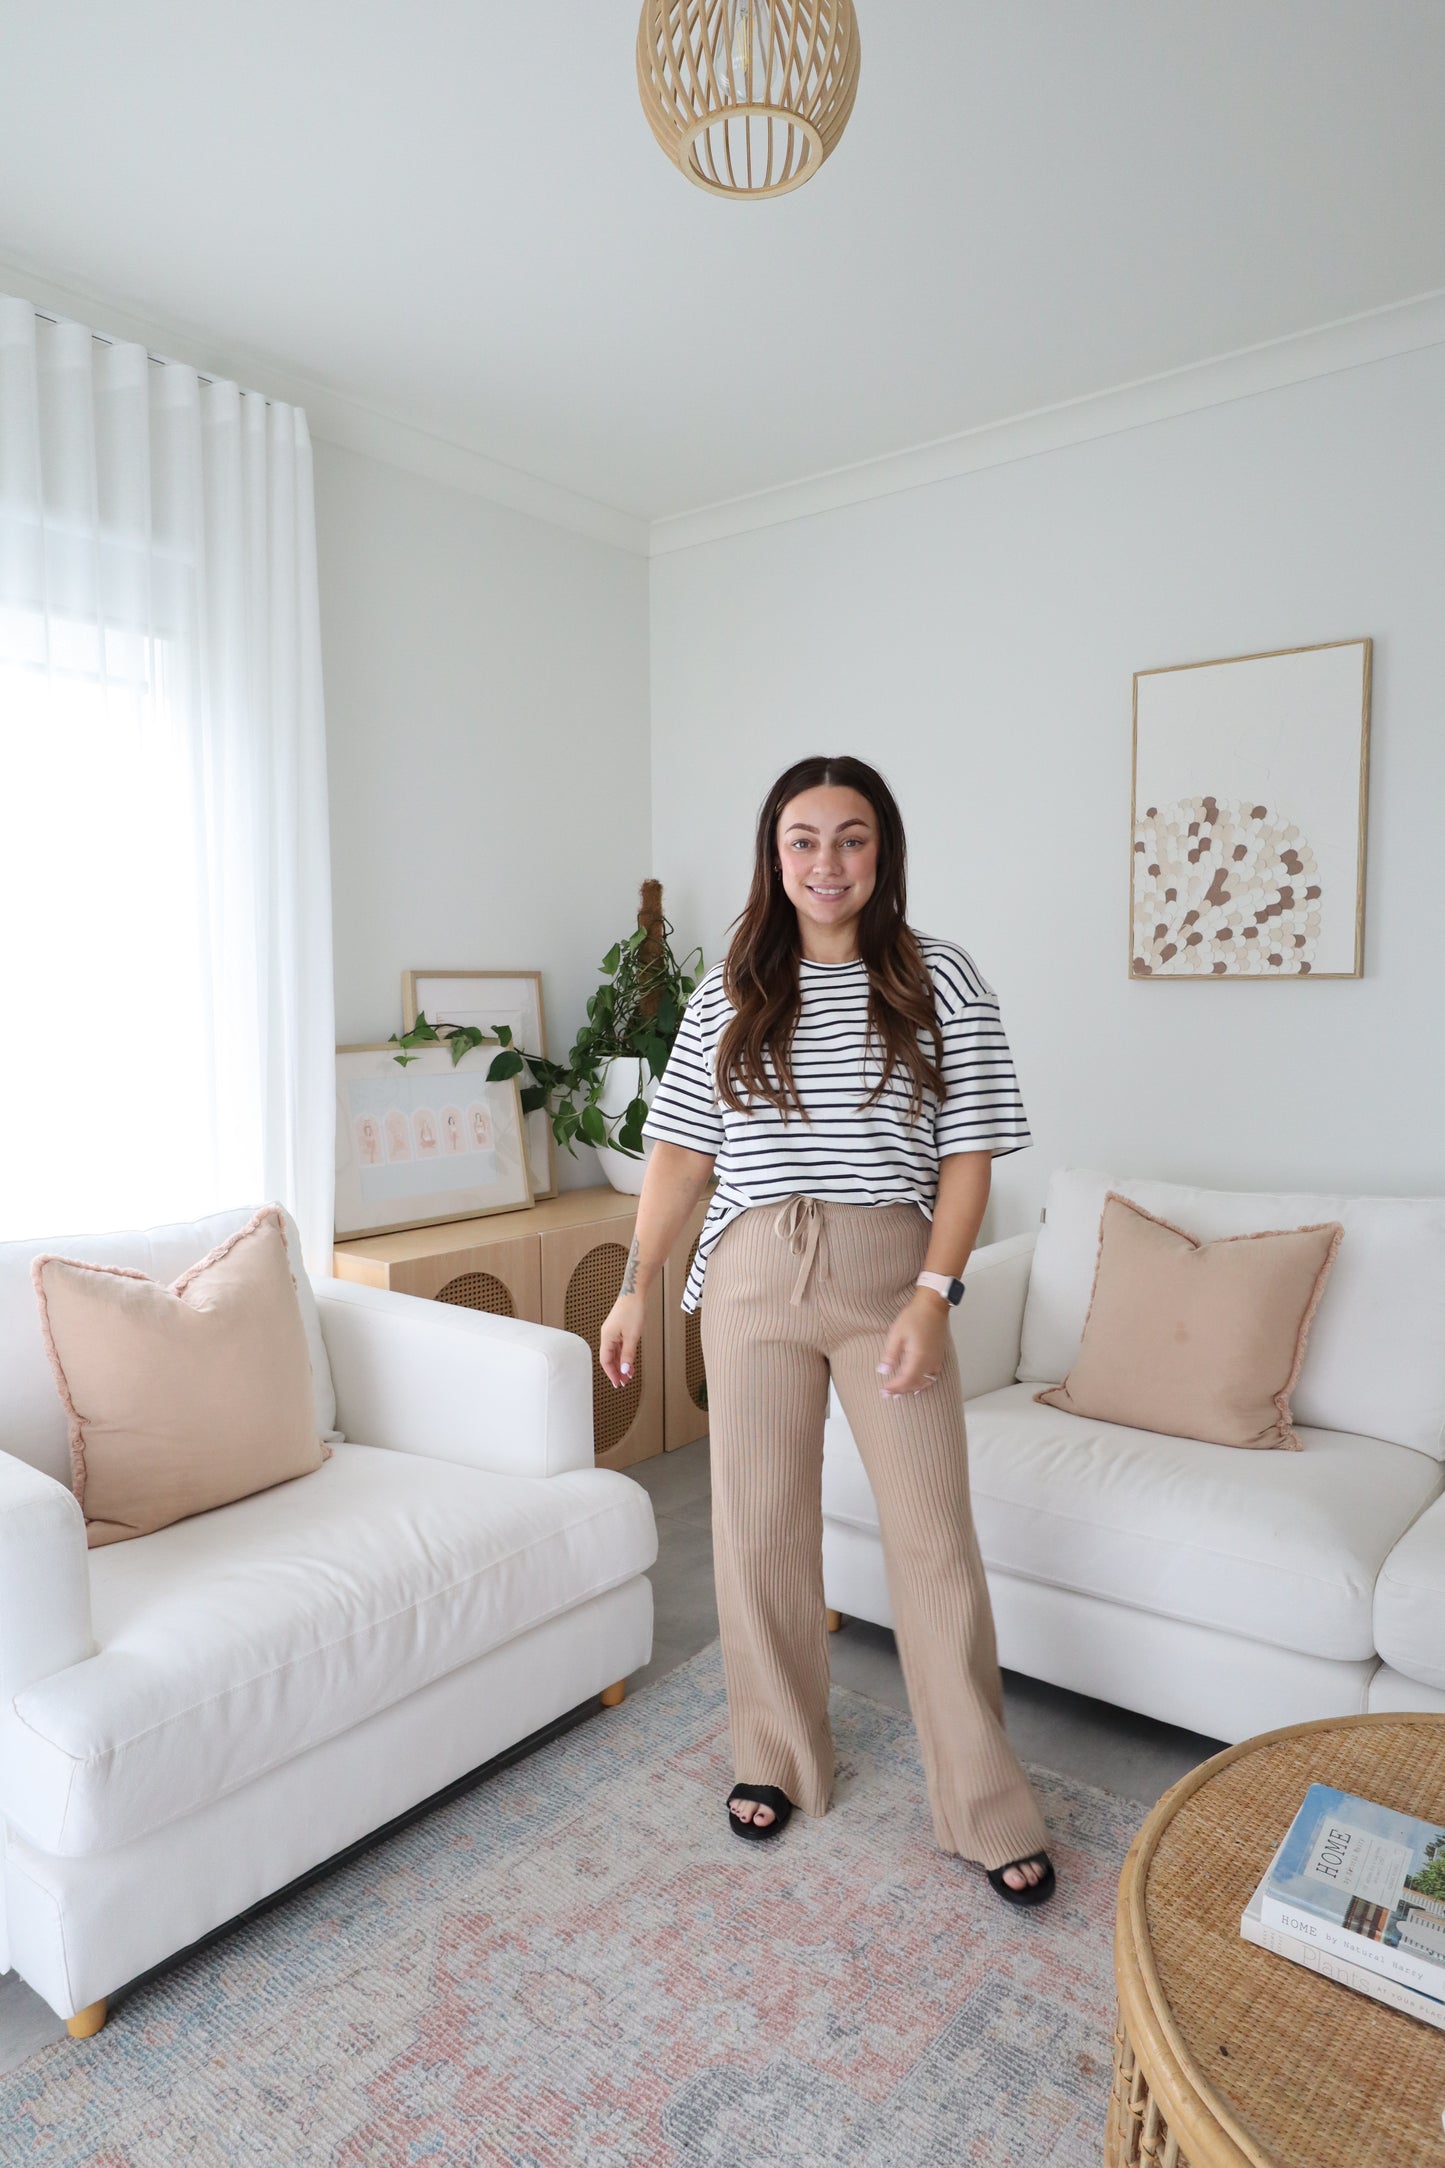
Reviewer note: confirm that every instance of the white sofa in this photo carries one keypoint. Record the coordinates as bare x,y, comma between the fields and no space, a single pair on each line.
190,1720
1223,1590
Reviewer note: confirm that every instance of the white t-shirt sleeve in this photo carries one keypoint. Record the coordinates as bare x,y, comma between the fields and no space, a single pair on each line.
984,1109
684,1110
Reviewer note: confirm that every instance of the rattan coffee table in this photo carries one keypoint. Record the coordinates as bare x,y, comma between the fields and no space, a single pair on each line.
1228,2056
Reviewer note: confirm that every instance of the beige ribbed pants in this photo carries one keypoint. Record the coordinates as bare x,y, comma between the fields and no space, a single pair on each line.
791,1296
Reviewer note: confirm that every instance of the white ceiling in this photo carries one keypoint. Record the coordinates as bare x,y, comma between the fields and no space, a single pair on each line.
453,210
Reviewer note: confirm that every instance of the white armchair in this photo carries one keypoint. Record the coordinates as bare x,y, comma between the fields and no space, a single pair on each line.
191,1720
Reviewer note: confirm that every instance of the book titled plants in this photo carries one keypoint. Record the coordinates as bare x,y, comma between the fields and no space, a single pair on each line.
1314,1958
1364,1884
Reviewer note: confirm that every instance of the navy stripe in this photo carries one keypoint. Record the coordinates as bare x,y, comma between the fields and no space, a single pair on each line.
846,1152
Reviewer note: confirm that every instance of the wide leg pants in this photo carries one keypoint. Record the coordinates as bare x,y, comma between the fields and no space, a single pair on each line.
791,1297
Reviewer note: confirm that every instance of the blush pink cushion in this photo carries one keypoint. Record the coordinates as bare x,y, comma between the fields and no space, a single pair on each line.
186,1397
1198,1340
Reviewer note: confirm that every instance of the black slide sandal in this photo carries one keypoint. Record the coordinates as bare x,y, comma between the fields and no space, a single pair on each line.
1034,1893
761,1795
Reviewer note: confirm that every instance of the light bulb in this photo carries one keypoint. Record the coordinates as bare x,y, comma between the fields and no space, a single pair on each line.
741,57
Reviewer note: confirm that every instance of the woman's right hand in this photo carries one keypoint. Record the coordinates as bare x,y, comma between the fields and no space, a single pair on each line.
617,1343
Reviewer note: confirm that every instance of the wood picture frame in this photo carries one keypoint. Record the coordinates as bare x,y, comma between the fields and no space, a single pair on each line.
424,1142
489,998
1248,813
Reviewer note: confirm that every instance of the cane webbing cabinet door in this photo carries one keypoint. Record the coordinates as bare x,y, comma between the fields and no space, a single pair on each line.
582,1270
684,1379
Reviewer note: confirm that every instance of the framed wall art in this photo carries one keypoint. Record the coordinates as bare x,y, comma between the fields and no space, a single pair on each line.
1248,816
486,999
424,1142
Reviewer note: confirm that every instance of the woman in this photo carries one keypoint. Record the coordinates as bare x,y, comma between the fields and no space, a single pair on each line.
851,1082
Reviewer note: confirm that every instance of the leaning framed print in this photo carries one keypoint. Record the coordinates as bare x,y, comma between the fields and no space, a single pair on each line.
1248,816
424,1141
486,999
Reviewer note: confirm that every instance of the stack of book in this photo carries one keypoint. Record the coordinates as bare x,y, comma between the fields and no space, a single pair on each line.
1357,1892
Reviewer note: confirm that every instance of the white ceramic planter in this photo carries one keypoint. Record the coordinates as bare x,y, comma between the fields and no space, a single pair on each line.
626,1079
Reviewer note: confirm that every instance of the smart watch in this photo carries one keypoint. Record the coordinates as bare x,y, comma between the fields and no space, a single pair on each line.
951,1290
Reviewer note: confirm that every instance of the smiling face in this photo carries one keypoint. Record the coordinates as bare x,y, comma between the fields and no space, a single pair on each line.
827,842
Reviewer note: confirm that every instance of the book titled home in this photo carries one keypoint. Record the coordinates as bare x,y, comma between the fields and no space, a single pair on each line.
1316,1959
1365,1885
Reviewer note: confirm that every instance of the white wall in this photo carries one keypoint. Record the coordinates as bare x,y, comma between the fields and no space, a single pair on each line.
487,731
976,640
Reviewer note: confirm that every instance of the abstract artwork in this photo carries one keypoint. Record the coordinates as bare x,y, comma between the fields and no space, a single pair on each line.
1248,816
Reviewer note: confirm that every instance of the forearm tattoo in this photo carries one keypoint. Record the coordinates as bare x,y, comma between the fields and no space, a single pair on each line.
629,1272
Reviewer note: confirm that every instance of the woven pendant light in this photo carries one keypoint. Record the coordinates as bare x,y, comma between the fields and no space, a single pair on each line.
747,97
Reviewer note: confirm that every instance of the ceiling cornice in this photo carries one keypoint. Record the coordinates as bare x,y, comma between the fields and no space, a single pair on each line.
338,418
1375,336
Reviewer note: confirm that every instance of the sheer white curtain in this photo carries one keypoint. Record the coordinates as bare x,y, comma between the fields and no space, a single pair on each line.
165,911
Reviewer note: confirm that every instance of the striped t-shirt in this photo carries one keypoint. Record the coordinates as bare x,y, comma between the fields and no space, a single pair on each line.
846,1153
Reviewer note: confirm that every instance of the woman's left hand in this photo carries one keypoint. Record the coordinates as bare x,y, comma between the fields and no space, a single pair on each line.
914,1352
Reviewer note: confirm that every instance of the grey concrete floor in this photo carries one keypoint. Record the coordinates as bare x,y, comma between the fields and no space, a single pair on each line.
1089,1741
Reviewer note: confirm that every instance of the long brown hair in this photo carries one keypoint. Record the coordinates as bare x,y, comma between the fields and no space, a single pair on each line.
761,977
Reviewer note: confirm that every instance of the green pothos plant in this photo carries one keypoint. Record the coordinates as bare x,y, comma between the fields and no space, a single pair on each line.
634,1012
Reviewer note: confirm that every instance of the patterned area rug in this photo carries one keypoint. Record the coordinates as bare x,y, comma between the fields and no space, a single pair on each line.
577,1963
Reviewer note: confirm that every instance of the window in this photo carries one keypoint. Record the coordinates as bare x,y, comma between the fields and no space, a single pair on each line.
165,927
108,1103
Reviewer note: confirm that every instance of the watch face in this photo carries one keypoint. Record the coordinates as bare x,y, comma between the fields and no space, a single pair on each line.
955,1291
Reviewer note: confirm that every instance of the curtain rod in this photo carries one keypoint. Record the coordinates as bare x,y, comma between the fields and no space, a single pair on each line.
159,360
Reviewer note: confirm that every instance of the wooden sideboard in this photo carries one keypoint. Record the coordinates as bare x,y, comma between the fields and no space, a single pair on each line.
561,1263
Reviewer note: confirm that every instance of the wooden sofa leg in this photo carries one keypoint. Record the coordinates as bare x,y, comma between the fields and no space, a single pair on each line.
611,1695
87,2022
835,1620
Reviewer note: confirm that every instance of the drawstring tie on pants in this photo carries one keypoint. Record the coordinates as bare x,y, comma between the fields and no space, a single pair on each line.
799,1224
